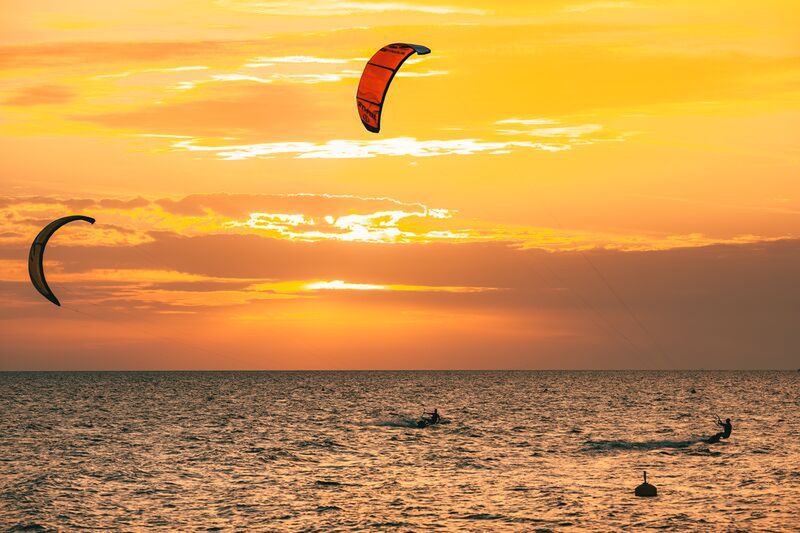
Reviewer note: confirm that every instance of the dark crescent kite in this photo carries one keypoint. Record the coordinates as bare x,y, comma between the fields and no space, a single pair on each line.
376,78
36,256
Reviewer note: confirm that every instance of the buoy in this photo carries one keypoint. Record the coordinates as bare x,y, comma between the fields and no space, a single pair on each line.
646,490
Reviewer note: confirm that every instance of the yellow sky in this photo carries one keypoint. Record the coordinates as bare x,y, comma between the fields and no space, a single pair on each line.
552,177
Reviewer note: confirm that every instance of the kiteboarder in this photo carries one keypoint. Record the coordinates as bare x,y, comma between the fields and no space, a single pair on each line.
428,419
726,426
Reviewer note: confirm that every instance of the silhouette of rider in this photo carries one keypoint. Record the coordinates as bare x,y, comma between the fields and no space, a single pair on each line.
434,417
726,426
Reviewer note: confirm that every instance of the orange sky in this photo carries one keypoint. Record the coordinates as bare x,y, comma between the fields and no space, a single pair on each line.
568,184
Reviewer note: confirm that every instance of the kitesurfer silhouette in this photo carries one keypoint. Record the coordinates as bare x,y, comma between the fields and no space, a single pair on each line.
429,418
726,426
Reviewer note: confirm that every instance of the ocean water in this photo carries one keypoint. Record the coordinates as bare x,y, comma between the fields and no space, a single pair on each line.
304,451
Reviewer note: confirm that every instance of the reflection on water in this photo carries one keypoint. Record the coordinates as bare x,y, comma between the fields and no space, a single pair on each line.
292,451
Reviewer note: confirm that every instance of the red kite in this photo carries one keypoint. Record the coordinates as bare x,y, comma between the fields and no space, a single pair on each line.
376,78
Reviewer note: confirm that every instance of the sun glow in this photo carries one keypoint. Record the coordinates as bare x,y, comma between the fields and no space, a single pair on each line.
339,284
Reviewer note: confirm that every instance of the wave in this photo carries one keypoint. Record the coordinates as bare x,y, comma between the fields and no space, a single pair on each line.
605,445
399,422
328,483
402,422
32,527
327,508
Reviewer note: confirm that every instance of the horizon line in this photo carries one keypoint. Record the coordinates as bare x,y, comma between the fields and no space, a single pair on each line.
418,370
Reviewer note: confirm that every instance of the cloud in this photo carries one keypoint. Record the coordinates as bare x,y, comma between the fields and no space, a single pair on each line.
295,69
380,226
40,95
149,70
306,217
356,149
595,6
556,137
260,62
423,74
92,53
341,285
690,298
324,8
303,217
527,121
255,109
569,132
554,129
185,85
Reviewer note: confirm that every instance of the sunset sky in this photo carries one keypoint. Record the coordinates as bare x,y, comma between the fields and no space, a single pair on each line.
559,184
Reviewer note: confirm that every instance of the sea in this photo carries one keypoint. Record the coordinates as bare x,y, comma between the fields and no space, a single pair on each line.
341,451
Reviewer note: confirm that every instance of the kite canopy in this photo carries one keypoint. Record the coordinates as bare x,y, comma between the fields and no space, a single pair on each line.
376,78
36,256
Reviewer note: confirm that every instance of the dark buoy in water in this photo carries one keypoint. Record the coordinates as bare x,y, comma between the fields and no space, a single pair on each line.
646,490
693,391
